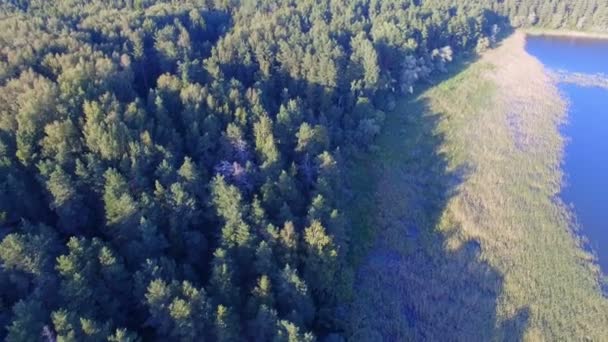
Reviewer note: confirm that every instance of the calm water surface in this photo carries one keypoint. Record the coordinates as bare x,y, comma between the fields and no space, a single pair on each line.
586,159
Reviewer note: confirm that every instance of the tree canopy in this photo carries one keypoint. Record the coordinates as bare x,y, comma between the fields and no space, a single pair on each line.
172,170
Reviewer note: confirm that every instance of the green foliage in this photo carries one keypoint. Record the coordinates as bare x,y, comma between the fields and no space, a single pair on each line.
320,263
264,142
364,64
94,282
33,251
178,312
311,139
70,327
227,200
226,326
588,15
288,332
28,321
123,335
120,207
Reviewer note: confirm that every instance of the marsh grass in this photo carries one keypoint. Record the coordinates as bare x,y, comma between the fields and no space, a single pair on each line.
566,33
582,79
471,242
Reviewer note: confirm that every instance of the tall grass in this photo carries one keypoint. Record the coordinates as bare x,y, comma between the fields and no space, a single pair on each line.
471,240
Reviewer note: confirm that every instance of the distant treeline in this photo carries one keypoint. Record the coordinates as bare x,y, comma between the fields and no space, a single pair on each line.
585,15
173,170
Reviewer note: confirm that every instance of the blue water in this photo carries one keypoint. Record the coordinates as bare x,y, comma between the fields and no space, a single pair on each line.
586,154
586,55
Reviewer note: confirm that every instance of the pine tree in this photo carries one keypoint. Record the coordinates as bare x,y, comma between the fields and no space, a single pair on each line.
293,297
288,241
226,325
312,140
32,252
265,143
66,201
321,261
222,283
289,332
227,201
178,312
364,69
120,207
28,322
61,141
94,282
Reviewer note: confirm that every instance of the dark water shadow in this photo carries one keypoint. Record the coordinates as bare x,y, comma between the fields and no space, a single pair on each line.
414,285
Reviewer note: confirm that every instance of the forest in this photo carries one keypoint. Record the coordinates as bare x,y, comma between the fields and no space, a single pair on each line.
173,170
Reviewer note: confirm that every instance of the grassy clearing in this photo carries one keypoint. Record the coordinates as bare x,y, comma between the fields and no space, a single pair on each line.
470,240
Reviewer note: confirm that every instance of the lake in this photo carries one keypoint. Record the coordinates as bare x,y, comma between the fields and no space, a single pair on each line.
586,154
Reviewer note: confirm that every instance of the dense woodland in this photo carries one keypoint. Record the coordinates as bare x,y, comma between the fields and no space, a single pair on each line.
173,170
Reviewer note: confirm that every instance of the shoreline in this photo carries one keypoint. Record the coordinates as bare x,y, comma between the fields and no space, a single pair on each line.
565,33
527,92
466,177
